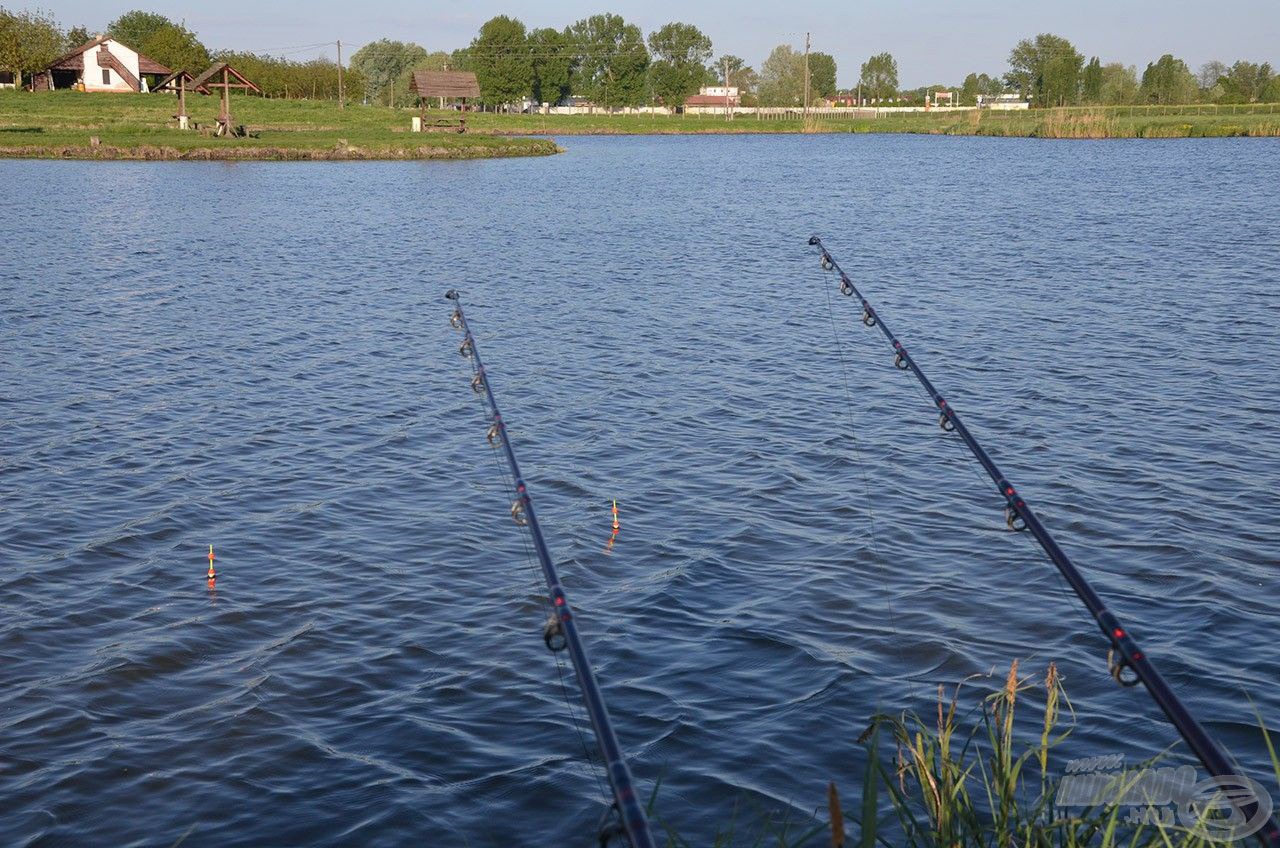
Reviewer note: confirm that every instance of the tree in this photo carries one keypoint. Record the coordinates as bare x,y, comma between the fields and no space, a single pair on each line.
1271,94
177,48
78,36
29,42
782,77
1245,82
552,65
501,62
134,28
681,52
1210,73
822,74
1046,70
879,79
740,75
611,61
1167,80
1119,84
979,84
1091,82
382,63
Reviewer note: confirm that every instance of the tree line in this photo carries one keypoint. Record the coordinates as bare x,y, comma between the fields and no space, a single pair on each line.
608,61
603,59
30,41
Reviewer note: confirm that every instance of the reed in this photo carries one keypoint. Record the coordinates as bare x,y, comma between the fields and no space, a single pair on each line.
966,777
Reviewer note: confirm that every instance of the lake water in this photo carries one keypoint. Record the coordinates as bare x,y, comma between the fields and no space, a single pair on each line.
258,357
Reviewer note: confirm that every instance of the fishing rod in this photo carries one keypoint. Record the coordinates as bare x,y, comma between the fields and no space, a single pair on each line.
561,630
1128,664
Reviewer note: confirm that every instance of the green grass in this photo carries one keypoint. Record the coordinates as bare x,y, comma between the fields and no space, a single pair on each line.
60,124
1077,122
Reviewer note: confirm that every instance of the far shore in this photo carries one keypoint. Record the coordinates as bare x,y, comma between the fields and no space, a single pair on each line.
74,125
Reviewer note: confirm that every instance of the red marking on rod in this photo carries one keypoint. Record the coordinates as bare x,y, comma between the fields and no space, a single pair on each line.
1137,655
1118,633
1009,491
559,600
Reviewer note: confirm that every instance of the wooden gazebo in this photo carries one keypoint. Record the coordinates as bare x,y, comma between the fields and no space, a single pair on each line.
445,85
179,81
224,77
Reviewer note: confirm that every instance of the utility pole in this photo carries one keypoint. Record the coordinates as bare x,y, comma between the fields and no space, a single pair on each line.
341,91
725,62
806,79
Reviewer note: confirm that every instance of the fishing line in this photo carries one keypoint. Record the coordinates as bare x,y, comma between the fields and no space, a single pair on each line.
560,632
592,768
866,485
1129,665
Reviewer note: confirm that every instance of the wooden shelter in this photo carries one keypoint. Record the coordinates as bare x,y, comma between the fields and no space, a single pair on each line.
223,76
180,82
445,85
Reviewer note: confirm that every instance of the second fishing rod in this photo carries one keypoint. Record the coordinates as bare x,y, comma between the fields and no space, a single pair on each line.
1129,664
561,630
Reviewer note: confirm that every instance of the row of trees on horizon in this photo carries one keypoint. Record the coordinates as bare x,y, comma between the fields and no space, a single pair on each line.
609,62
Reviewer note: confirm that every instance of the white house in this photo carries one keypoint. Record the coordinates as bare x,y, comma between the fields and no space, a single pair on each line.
6,79
103,64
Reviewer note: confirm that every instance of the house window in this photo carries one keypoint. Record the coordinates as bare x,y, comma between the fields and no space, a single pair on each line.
106,76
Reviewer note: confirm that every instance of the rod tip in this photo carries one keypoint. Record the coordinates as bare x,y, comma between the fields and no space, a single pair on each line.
814,240
451,294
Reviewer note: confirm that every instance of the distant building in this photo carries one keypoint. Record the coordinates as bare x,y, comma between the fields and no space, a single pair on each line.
102,64
1002,102
711,99
6,79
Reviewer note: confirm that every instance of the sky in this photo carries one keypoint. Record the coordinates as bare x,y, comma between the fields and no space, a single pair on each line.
934,41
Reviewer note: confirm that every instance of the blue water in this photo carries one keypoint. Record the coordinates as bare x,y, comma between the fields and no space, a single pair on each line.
258,357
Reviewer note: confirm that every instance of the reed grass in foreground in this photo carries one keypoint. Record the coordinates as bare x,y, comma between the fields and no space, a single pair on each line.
977,779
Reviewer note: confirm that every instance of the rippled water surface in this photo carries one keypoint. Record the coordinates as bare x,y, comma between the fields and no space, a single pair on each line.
257,356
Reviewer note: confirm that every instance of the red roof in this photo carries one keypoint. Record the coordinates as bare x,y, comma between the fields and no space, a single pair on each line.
709,100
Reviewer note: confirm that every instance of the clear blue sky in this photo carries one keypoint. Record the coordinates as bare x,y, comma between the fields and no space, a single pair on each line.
934,41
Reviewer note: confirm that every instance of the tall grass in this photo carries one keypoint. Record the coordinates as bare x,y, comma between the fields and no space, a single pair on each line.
972,777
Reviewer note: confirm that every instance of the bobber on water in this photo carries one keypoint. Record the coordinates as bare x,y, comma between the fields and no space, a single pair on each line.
212,574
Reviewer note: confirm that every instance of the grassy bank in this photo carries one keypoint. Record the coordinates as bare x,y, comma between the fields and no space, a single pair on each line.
1101,122
63,124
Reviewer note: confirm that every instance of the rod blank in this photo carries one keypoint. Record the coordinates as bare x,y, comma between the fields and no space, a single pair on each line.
1133,665
561,631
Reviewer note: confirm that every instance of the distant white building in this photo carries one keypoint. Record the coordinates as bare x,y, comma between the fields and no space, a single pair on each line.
712,99
6,79
1002,102
102,64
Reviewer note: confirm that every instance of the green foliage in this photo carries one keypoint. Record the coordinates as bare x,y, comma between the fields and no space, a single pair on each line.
979,84
879,78
77,36
1119,84
611,62
1046,70
134,28
1245,82
1210,73
381,63
822,74
501,61
316,79
155,36
1167,80
681,52
552,65
177,48
782,77
1091,82
29,41
740,74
